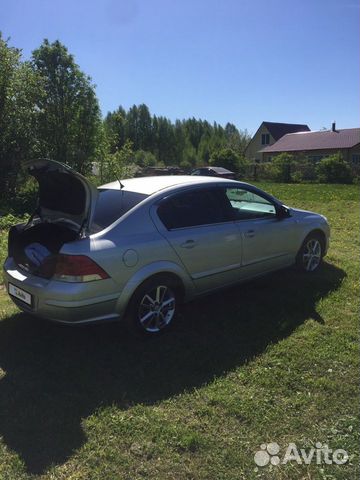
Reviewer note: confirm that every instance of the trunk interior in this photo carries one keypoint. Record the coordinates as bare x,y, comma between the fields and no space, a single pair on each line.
31,245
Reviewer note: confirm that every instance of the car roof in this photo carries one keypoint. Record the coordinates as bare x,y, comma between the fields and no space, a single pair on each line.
151,185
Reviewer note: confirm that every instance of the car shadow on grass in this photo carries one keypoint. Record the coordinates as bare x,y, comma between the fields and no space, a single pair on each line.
55,376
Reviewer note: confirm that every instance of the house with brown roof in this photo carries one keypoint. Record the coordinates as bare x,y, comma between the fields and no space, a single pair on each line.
267,134
317,145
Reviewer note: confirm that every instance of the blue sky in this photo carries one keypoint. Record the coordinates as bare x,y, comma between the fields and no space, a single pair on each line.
241,61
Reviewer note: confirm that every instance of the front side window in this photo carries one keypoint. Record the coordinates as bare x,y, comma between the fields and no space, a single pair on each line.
248,205
190,209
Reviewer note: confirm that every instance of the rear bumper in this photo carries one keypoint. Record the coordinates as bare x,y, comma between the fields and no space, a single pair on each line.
62,302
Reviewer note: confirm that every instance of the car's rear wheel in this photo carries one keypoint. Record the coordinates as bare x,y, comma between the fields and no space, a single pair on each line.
154,306
311,253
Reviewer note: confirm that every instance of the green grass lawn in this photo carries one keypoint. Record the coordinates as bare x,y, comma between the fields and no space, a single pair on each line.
274,360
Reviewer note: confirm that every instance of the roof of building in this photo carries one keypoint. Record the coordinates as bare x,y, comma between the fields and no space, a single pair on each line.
321,140
278,130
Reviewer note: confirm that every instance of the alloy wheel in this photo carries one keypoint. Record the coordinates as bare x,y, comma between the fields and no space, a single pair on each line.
157,309
311,254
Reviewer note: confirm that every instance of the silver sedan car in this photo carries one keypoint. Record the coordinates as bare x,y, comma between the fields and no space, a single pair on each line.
135,249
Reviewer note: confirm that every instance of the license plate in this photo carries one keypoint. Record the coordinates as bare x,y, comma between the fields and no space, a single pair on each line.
20,294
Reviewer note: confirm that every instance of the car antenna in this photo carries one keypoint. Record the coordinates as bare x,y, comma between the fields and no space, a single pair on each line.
121,184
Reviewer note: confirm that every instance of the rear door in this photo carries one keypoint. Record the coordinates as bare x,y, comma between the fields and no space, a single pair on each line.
206,240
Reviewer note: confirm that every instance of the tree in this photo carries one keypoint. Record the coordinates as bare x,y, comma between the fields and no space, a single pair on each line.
236,139
194,131
180,140
144,128
118,165
69,115
114,127
131,126
189,158
204,150
19,89
186,143
165,141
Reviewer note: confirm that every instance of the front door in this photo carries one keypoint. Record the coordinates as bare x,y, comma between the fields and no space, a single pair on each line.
267,241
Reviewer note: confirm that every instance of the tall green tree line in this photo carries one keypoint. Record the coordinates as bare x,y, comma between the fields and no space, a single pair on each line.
185,142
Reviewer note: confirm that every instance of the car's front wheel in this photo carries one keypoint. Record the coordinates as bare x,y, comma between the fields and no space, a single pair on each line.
154,306
311,253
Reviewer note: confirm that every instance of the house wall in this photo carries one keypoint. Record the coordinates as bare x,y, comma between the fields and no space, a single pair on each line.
354,155
252,150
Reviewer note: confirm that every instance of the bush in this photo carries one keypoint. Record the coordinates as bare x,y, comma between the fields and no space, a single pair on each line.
226,158
231,160
9,220
186,165
25,200
144,159
244,167
259,171
334,169
304,170
280,169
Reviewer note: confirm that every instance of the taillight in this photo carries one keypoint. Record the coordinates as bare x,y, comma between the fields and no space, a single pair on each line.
72,268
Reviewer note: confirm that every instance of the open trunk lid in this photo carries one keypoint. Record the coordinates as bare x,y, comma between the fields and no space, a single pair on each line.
64,194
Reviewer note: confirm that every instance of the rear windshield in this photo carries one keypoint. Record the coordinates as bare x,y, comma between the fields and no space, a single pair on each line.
113,204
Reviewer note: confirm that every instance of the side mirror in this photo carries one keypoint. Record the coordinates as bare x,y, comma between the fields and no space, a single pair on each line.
283,212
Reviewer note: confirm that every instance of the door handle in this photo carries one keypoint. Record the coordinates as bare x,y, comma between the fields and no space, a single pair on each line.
250,234
189,244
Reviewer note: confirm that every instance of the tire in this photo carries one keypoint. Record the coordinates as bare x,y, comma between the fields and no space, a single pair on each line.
154,306
311,253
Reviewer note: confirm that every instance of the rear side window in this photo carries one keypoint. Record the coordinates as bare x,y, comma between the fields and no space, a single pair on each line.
191,209
113,204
